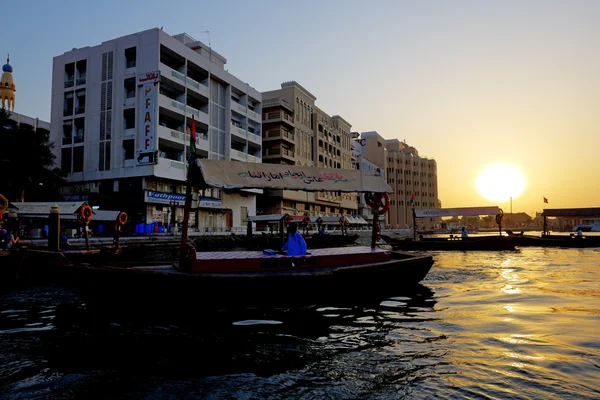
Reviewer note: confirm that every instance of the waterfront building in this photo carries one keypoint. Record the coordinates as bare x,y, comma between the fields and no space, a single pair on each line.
121,119
297,132
412,178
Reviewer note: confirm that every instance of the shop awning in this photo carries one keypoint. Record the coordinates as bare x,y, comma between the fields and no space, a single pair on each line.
456,212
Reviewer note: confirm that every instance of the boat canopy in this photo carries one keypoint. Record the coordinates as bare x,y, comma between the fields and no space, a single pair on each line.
34,209
266,218
455,212
224,174
572,212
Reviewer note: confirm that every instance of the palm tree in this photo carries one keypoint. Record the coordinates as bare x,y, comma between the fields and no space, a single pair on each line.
27,162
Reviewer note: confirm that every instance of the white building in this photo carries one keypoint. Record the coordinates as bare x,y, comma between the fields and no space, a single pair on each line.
120,113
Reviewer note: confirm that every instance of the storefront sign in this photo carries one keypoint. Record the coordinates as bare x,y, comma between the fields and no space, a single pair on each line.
207,202
165,198
146,140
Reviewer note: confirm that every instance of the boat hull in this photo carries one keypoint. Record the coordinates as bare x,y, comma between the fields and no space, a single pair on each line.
167,284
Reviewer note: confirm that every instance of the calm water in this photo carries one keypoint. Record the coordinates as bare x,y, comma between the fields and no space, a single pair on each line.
523,324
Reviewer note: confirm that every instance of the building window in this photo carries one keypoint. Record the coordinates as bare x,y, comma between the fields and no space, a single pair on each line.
78,159
130,57
128,149
67,137
129,85
129,118
79,130
65,159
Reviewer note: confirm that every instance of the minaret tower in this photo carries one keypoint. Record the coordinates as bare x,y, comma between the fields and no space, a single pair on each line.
7,87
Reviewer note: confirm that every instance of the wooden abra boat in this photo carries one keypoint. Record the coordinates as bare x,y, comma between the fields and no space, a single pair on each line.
254,273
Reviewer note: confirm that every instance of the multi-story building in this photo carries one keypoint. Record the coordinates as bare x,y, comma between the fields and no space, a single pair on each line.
412,178
297,132
121,118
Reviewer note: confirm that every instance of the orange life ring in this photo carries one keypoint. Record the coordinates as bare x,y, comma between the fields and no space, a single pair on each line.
3,204
380,201
287,219
85,214
122,218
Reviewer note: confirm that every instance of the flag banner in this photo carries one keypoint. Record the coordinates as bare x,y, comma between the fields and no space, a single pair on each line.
193,136
545,200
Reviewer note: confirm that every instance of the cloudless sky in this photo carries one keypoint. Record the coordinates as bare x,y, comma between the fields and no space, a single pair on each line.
465,82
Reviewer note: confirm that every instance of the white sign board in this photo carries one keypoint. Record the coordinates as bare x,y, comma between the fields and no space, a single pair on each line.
146,139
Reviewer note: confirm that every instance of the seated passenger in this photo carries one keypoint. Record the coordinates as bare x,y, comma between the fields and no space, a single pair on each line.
464,233
295,245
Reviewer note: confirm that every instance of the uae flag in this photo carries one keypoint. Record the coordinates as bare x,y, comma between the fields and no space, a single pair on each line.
193,136
412,199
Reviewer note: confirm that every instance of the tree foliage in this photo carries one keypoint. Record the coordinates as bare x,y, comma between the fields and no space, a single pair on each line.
27,163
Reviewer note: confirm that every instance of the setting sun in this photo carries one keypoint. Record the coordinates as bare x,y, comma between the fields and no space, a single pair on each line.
499,182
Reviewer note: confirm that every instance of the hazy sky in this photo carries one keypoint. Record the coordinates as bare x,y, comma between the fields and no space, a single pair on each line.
465,82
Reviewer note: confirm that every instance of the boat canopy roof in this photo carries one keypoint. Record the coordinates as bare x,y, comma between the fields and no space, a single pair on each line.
236,175
31,209
572,212
266,218
455,212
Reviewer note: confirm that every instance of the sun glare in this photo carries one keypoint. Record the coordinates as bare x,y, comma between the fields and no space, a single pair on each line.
500,182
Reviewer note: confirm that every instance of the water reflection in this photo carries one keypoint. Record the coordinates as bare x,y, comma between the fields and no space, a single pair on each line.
486,325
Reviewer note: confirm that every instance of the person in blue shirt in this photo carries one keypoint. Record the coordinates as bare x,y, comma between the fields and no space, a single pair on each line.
295,245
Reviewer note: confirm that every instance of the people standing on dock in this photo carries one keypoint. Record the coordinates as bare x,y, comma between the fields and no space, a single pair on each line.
579,233
10,240
464,233
295,245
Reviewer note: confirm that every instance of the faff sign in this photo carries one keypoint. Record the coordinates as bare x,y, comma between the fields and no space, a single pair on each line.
148,88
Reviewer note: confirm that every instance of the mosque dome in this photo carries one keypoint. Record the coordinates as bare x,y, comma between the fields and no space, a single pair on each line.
7,67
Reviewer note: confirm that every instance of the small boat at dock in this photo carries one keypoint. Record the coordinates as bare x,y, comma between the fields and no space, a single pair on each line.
251,274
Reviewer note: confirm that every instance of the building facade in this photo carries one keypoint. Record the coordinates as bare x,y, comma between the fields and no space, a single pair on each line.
121,118
412,178
297,132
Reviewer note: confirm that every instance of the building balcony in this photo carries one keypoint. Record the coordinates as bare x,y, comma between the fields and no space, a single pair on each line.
239,108
255,116
197,87
198,115
170,169
279,134
170,104
276,103
171,135
279,152
278,116
171,74
239,132
241,156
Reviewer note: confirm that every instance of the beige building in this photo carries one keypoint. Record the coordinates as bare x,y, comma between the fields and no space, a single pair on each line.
407,173
297,132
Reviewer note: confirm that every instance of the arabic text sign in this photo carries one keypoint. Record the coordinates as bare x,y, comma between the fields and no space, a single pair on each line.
240,175
147,126
205,202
